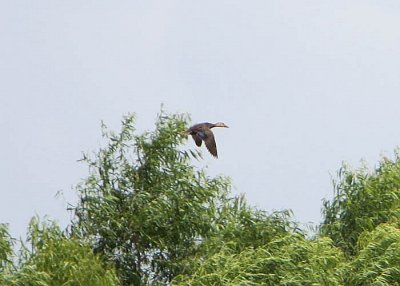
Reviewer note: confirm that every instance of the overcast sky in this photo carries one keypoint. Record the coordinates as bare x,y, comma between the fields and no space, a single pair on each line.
303,85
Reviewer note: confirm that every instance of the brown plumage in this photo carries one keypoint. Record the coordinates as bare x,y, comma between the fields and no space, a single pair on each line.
202,132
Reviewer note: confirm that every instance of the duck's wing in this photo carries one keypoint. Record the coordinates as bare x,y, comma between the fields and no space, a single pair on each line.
197,139
209,140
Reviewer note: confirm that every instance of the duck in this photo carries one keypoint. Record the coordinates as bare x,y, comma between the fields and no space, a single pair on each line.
202,132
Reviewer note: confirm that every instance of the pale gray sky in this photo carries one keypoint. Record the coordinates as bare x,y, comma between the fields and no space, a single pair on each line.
304,85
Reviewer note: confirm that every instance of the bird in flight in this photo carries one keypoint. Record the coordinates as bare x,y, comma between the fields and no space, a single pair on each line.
202,132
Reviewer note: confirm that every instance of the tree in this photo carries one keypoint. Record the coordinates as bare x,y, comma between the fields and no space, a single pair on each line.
239,226
362,201
378,259
144,207
287,260
6,244
55,259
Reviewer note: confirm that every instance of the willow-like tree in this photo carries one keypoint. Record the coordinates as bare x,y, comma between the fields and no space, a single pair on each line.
52,258
6,245
363,200
285,260
144,206
378,259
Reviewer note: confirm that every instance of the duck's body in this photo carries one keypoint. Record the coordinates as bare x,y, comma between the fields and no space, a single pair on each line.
202,132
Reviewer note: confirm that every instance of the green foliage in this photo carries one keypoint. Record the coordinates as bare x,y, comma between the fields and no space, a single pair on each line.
144,206
147,216
6,245
54,259
239,226
378,261
288,260
362,201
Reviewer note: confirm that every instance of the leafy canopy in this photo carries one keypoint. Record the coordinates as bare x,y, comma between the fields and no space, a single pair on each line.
363,200
144,206
54,259
147,216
